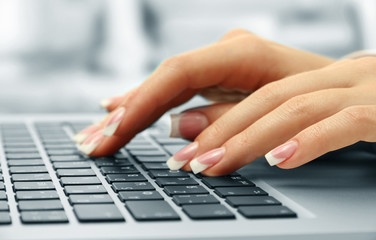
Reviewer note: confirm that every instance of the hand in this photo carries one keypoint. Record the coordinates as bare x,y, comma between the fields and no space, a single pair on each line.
240,61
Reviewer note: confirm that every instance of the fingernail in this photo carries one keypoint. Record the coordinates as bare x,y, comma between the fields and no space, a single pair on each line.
281,153
182,157
106,102
206,160
84,134
187,125
91,143
114,122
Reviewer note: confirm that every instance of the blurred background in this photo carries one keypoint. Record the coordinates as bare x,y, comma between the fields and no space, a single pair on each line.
66,55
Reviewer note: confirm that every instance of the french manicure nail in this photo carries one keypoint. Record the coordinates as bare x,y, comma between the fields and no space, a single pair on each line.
114,122
182,157
106,102
84,134
281,153
91,143
206,160
187,125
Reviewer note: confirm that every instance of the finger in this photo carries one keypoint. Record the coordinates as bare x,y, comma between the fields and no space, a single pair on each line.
353,124
111,103
192,122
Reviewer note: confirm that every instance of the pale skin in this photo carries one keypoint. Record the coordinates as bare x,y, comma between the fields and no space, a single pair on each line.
321,104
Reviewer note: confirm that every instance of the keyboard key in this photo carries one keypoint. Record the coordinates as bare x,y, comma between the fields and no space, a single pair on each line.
167,174
232,181
118,170
67,158
111,162
21,150
89,198
172,141
240,191
30,169
134,147
159,153
208,211
172,149
131,177
140,195
19,145
151,159
132,186
151,210
4,206
40,205
251,201
43,217
62,152
97,213
71,165
27,186
2,186
3,195
162,182
11,156
75,172
185,190
266,212
5,218
59,146
84,189
31,177
79,181
155,166
29,162
36,195
194,199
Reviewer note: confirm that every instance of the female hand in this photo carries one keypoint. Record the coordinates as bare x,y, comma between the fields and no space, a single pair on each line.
239,62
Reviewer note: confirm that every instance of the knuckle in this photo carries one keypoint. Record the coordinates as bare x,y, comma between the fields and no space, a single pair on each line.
298,106
212,132
366,65
175,63
357,115
235,32
270,92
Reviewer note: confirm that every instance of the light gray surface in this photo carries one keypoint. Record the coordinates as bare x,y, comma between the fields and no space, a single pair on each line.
334,198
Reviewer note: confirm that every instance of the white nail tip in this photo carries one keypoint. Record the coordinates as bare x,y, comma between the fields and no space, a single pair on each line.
110,130
273,160
105,103
175,165
174,126
87,148
80,137
198,167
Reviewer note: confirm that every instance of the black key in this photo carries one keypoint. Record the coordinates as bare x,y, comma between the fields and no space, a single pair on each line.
251,201
151,210
44,217
3,195
80,181
5,218
75,172
63,151
36,195
31,177
27,186
167,174
139,195
151,159
194,199
162,182
11,156
30,169
159,153
71,165
4,206
40,205
89,198
227,181
266,212
84,189
29,162
118,170
111,162
131,177
97,213
155,166
185,190
67,158
240,191
208,211
132,186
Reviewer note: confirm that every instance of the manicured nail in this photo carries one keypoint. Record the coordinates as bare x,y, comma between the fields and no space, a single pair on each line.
187,125
89,145
114,122
106,102
183,156
281,153
84,134
206,160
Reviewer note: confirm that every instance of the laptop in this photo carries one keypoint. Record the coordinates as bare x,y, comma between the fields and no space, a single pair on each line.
49,190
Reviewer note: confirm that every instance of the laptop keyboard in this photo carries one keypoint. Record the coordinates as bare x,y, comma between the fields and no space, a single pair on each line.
138,174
